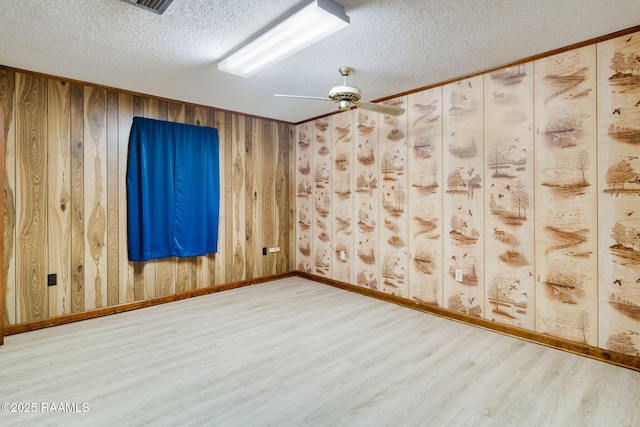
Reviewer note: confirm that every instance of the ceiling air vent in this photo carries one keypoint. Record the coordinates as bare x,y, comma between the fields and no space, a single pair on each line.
156,6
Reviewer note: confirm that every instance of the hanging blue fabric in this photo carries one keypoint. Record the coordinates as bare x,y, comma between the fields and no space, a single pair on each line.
173,190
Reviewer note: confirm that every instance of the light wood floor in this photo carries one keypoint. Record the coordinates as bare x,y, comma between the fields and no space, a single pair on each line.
297,353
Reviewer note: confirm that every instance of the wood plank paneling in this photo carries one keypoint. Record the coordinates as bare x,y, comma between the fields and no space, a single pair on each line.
254,199
283,215
463,207
59,195
618,191
189,114
31,208
291,185
366,200
321,170
249,198
394,238
509,189
223,121
267,194
342,196
113,223
304,197
566,177
424,169
72,164
238,153
217,261
95,196
77,197
7,100
214,262
2,279
126,269
226,265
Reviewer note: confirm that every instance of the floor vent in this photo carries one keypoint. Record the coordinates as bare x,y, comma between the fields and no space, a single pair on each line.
156,6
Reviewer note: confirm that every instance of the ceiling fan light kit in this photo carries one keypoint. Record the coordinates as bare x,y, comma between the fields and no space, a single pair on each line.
348,97
310,24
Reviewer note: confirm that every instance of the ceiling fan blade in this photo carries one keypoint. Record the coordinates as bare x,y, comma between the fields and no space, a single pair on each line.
381,108
321,98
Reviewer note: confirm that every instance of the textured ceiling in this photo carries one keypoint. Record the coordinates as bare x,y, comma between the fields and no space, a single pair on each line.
394,46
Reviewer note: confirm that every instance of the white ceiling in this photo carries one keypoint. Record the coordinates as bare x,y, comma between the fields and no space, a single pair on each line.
394,46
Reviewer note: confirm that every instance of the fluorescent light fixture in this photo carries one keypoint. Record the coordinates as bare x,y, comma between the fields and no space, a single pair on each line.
305,27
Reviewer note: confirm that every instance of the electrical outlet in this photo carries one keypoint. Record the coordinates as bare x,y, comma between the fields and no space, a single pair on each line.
458,275
264,251
343,255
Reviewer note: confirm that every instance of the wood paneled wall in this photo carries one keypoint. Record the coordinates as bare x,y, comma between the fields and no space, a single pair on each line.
65,198
2,281
509,196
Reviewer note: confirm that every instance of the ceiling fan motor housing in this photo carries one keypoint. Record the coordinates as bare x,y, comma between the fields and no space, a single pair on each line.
345,96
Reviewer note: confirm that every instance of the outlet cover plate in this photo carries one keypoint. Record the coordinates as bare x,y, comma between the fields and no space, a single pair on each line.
458,275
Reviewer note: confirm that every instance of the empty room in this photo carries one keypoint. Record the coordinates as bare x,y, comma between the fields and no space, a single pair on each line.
320,212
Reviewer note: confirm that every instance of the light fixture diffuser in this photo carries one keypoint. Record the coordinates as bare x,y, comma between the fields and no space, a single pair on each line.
310,24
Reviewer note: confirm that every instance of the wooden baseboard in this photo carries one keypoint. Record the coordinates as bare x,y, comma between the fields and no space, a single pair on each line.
120,308
596,353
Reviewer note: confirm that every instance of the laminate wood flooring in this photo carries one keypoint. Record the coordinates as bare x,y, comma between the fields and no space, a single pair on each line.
297,353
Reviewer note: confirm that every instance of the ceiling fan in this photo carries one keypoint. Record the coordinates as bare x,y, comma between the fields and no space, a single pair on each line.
349,96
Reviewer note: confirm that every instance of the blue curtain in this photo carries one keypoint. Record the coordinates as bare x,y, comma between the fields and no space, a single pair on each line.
173,190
